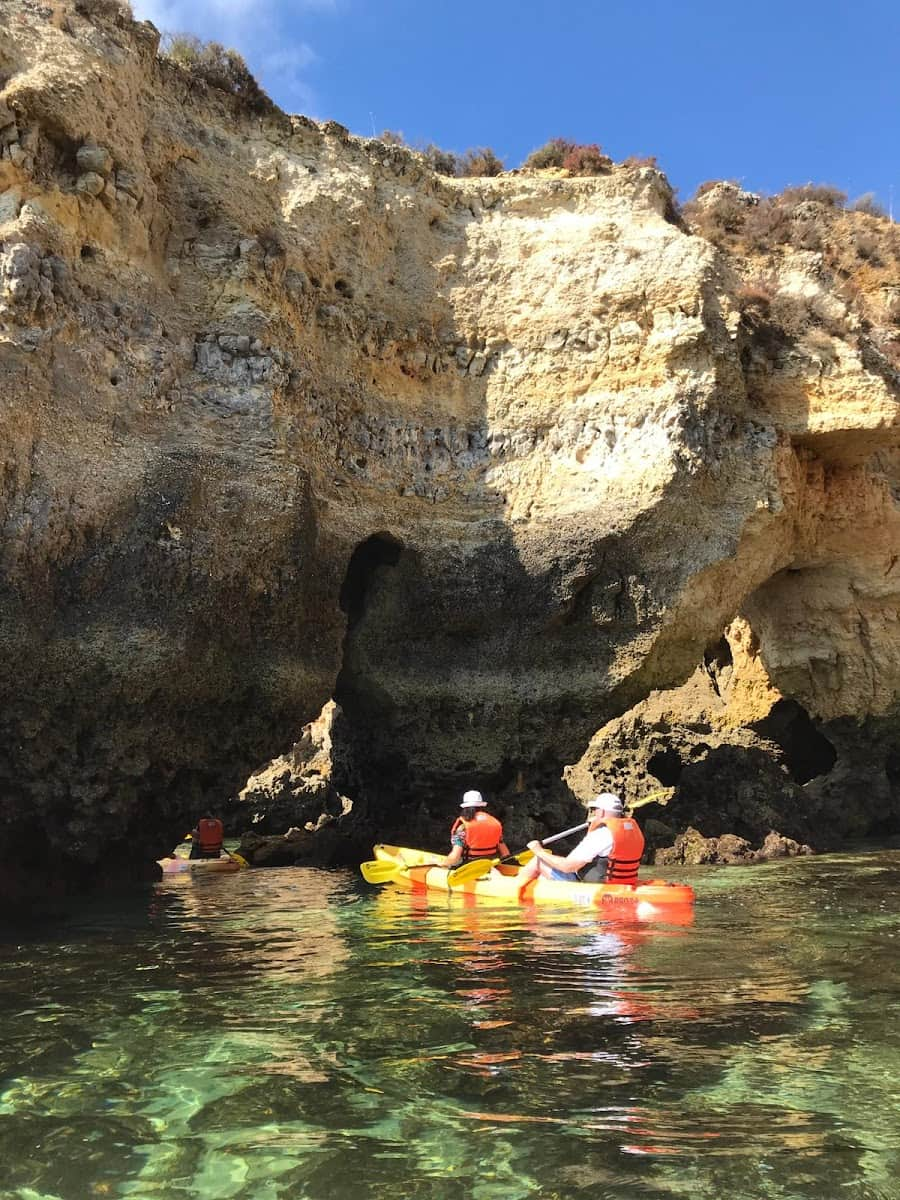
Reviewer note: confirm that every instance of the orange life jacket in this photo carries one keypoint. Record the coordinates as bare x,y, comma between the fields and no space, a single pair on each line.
627,848
484,834
209,835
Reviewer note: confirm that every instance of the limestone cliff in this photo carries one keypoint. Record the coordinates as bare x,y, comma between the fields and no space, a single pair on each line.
287,417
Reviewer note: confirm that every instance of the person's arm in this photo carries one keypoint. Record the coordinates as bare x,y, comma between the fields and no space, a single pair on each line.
503,850
586,851
457,847
571,862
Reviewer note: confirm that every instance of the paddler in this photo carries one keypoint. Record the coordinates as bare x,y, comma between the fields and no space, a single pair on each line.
610,851
207,838
475,833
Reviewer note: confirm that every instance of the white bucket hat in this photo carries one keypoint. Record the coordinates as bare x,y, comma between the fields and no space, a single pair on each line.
473,800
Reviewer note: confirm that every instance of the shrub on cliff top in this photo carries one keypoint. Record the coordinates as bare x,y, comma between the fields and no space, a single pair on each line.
815,193
570,156
217,66
551,154
587,160
481,161
442,162
116,9
866,203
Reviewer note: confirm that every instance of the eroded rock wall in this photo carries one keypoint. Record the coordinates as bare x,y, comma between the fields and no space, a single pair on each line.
288,417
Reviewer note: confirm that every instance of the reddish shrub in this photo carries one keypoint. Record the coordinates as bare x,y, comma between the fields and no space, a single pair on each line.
551,154
587,160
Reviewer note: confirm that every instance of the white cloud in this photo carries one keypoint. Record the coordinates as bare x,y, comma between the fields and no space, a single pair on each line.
255,29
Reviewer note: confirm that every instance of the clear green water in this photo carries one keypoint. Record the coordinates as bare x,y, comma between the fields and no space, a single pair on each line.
296,1034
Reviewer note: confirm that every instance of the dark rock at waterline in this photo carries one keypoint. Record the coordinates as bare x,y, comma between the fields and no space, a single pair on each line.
692,849
325,847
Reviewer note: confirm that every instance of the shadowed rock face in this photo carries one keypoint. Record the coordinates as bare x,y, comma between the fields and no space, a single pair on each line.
286,417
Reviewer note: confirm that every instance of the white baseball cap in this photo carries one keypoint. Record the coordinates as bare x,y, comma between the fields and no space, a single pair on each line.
608,802
473,800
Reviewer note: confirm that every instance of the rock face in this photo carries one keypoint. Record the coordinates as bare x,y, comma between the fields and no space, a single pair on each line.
286,417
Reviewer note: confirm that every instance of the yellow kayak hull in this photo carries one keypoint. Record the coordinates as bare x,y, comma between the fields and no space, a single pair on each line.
503,883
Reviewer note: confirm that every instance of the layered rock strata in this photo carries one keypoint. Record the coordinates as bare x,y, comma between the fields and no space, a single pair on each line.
286,417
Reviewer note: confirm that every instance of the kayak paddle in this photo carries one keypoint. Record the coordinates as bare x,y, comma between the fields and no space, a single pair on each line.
381,871
662,797
482,866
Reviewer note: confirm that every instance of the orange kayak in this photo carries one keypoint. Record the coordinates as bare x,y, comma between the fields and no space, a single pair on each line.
503,883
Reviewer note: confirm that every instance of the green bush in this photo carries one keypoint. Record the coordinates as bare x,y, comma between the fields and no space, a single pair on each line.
217,66
481,161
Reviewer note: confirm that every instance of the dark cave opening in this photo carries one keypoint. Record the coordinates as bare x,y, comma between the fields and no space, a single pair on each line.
718,656
666,766
718,661
807,752
379,550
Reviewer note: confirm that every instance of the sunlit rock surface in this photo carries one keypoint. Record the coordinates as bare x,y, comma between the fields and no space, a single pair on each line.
286,418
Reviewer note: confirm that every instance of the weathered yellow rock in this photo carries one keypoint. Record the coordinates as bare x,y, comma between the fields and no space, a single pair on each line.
286,416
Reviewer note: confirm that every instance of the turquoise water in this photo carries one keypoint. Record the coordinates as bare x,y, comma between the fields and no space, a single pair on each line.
295,1033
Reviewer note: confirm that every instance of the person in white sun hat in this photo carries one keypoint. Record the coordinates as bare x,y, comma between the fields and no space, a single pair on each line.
610,851
475,833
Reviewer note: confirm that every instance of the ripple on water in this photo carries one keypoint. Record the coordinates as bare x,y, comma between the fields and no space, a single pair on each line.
294,1034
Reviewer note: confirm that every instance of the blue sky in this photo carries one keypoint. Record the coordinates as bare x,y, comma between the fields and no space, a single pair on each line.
768,93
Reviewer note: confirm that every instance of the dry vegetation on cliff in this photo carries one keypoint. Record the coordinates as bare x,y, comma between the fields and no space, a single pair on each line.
854,252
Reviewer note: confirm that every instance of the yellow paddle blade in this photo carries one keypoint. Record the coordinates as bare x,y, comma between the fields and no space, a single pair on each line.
525,857
470,870
378,871
662,797
238,858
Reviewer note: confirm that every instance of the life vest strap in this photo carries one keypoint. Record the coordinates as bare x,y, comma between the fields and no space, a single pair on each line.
489,852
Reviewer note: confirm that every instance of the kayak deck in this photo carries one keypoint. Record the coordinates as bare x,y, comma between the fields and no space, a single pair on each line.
503,883
175,865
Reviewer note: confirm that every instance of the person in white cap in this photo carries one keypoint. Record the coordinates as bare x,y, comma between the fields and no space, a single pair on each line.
610,851
475,833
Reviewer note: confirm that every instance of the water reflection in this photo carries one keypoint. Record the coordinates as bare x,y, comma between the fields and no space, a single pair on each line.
294,1034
